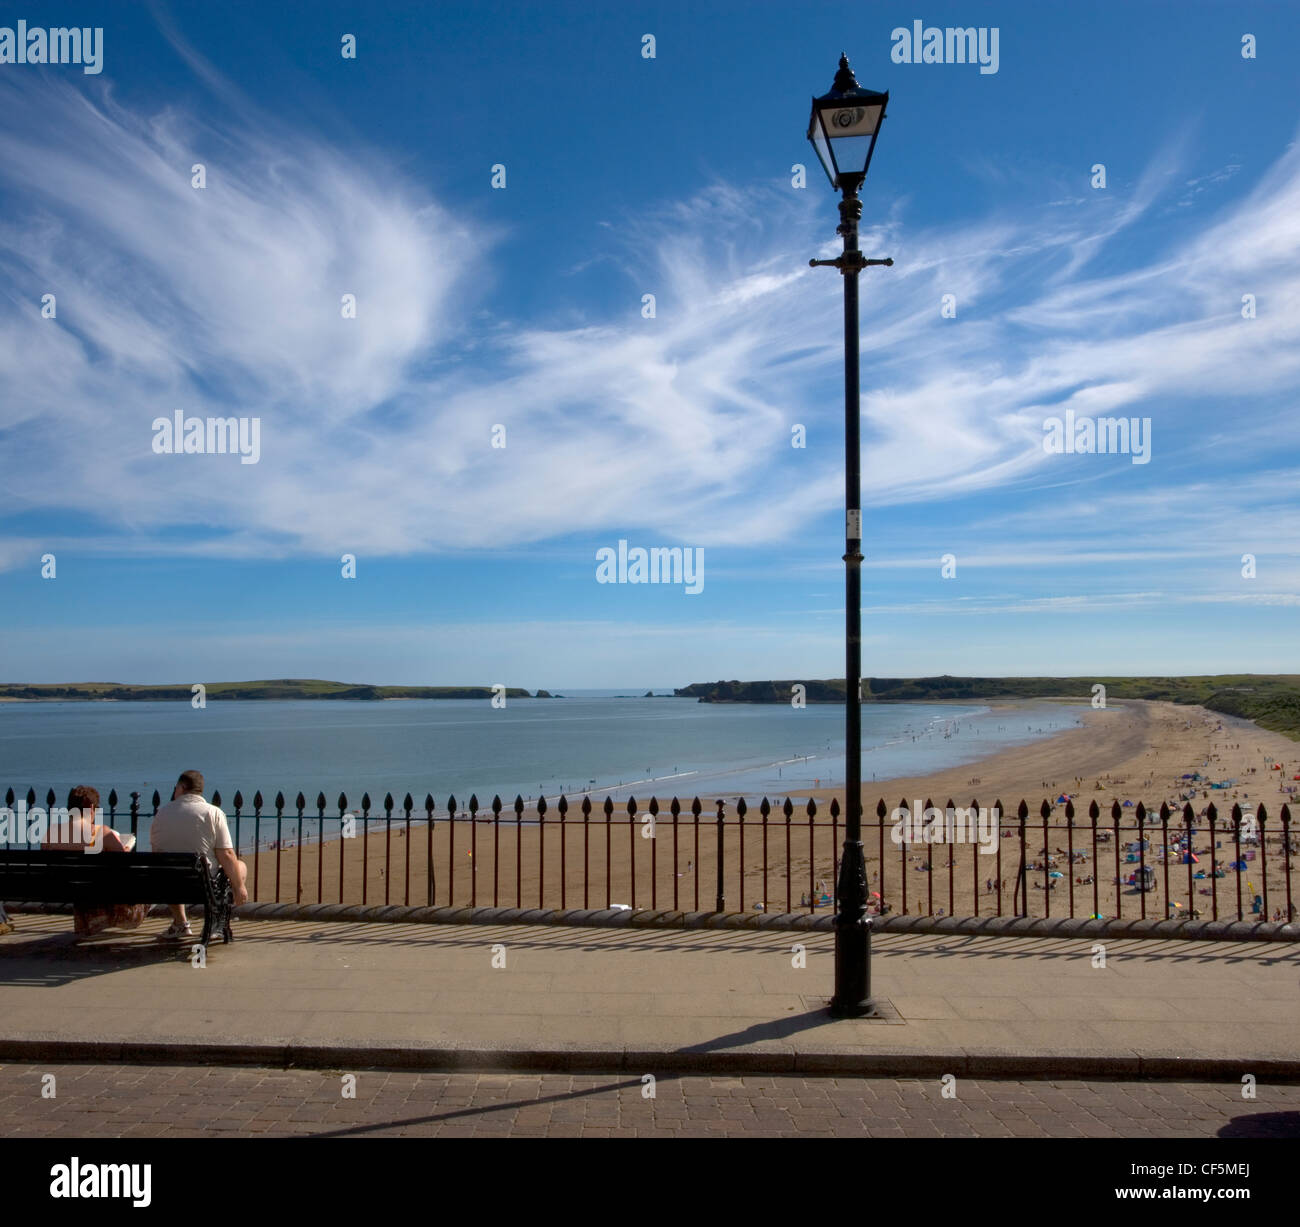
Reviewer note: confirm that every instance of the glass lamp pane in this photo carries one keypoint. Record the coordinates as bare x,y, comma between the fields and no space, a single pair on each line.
851,153
820,144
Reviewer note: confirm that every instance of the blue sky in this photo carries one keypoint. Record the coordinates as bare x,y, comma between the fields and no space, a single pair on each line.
522,306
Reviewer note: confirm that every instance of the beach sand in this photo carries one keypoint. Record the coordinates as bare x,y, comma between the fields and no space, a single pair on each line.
1133,750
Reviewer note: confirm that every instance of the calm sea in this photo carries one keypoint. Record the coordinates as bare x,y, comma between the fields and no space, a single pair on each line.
586,741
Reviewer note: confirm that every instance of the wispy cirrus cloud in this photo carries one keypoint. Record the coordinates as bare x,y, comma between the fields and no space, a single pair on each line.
376,431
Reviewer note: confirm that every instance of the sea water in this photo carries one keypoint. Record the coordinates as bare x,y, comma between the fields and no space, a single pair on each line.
585,743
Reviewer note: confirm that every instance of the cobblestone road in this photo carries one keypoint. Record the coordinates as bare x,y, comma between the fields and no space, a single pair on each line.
180,1101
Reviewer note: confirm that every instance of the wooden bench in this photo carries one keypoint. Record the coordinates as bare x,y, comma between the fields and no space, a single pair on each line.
96,879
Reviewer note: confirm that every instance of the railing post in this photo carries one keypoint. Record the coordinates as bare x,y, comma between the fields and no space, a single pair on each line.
1286,860
430,878
1261,817
541,852
408,804
1164,836
563,806
631,837
1045,811
279,840
1094,812
1022,886
496,850
653,809
609,841
1236,843
835,857
320,847
343,843
519,850
811,810
300,804
929,858
1210,815
1142,856
720,900
950,823
675,809
741,810
365,848
1115,815
586,853
788,810
451,848
388,846
905,806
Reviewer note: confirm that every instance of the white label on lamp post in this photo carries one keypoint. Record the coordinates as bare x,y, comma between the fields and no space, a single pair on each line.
853,528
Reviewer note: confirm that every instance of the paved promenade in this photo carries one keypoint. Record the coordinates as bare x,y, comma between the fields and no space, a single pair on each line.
187,1102
336,995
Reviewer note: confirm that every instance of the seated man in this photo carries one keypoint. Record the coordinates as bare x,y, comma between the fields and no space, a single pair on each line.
187,823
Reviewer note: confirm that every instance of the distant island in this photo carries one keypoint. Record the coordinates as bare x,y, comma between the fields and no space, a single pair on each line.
281,688
1271,700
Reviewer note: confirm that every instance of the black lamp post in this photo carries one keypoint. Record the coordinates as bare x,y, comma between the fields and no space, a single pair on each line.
843,130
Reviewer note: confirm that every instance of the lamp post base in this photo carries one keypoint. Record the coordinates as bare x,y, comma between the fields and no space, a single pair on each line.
852,970
852,997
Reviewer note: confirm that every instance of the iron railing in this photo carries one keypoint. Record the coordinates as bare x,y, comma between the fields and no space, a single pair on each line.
729,856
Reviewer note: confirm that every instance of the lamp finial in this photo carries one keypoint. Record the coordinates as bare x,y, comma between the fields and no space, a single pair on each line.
844,78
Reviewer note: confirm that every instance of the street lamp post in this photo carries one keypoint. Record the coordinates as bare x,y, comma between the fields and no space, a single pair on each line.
843,130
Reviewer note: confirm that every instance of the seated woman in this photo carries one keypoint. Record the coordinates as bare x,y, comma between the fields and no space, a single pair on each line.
84,832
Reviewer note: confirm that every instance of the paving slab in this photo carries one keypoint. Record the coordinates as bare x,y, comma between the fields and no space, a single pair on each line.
322,993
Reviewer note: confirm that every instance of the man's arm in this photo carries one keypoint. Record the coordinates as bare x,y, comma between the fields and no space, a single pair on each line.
230,863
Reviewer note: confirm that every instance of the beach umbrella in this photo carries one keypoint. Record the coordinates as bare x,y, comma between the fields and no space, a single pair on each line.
1056,875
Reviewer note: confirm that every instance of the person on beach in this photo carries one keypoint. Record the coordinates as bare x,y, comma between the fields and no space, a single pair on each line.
84,834
187,823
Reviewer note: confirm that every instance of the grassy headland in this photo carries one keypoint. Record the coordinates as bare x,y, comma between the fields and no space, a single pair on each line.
281,688
1271,700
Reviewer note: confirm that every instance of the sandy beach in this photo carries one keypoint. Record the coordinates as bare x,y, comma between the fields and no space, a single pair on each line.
1133,751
